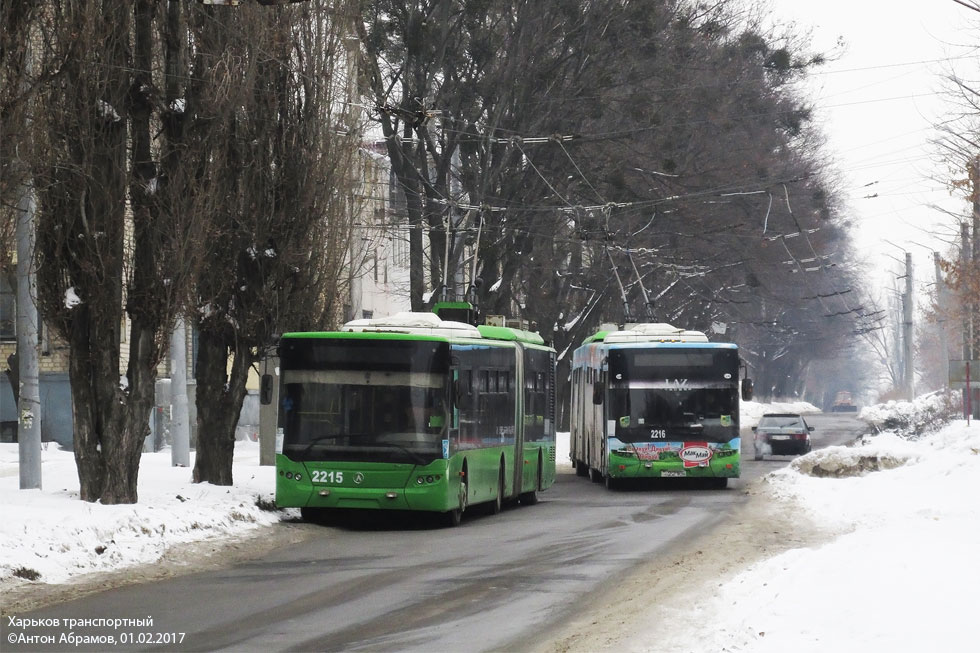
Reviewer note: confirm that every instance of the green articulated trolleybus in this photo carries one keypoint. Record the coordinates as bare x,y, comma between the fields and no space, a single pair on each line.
414,413
655,401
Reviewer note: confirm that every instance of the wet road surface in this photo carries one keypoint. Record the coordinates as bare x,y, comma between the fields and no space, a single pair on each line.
497,582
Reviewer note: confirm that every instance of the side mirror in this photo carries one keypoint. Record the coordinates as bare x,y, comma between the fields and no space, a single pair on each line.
747,388
265,390
755,428
598,390
809,428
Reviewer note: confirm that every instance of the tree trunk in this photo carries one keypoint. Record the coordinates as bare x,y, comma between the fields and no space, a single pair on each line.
219,403
85,411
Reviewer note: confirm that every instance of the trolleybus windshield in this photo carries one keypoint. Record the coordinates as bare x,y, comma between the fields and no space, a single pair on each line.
674,394
365,400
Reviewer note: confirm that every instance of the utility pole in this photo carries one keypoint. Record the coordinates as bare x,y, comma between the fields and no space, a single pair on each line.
908,330
942,300
29,388
971,326
180,428
897,350
29,395
965,256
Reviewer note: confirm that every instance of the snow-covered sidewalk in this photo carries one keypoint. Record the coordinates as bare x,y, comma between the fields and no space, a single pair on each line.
50,536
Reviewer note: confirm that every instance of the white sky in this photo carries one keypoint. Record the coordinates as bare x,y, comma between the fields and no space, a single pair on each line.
877,102
898,573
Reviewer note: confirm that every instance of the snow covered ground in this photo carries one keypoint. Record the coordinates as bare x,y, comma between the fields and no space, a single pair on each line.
51,533
899,575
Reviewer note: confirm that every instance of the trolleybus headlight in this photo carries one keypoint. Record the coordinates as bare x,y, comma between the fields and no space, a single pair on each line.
391,495
324,493
420,480
429,479
298,476
289,474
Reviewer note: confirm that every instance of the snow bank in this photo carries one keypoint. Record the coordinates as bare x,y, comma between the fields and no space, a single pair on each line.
52,533
925,414
899,575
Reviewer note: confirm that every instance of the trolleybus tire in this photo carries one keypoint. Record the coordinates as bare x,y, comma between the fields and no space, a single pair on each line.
528,498
313,515
531,498
498,503
581,469
595,475
611,483
453,517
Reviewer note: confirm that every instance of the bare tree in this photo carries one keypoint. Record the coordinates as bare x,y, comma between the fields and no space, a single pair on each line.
281,176
112,240
958,145
618,161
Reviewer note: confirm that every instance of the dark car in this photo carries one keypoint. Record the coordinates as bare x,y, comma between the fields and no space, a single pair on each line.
781,433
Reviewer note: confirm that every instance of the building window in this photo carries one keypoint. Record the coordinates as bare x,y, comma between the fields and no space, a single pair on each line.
367,315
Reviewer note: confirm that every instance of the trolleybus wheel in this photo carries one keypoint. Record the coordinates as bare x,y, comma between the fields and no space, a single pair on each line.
595,475
531,498
581,469
313,515
455,516
611,483
528,498
498,503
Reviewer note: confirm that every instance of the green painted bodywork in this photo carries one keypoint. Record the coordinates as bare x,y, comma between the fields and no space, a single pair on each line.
481,467
442,494
598,336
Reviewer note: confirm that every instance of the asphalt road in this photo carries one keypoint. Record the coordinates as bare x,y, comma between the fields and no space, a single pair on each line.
495,583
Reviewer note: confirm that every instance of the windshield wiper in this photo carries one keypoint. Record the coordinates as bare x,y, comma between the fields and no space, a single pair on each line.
309,445
416,458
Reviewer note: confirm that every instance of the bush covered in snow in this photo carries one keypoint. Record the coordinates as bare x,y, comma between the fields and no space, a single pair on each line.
911,419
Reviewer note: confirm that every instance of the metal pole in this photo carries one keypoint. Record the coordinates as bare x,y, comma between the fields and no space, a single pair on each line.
180,428
941,301
965,256
969,395
907,324
29,397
